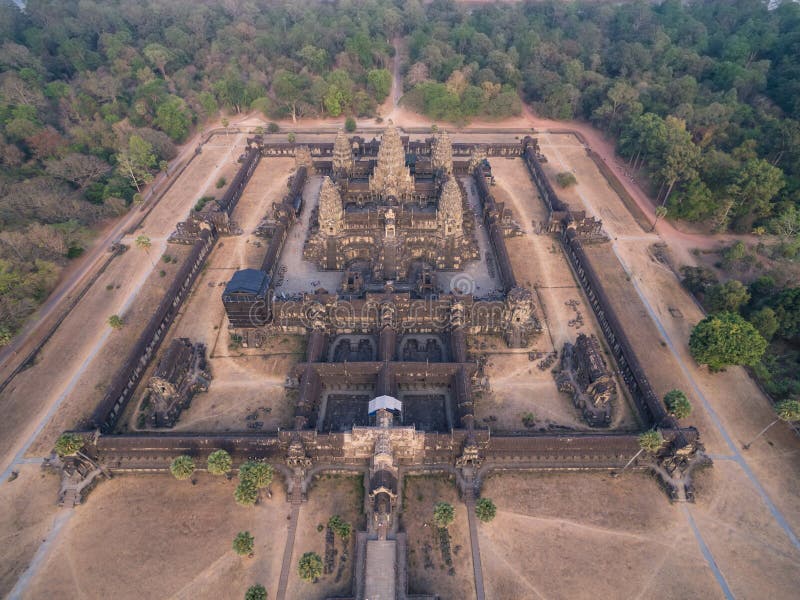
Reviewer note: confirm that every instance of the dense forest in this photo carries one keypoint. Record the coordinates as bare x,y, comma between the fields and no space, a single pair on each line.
703,96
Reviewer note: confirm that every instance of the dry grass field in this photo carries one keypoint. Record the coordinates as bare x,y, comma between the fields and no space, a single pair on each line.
427,572
328,495
155,537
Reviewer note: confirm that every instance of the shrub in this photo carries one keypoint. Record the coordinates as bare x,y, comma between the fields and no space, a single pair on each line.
566,179
68,444
273,128
256,592
182,467
292,137
350,124
221,182
115,322
678,404
339,526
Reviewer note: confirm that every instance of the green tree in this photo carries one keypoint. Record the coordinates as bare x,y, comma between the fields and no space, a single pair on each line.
289,90
485,510
379,81
787,411
677,404
566,179
765,321
757,183
727,297
726,339
651,441
350,124
136,160
246,493
173,118
115,322
219,462
339,526
256,472
143,242
310,567
786,305
256,592
182,467
243,543
443,514
68,444
159,56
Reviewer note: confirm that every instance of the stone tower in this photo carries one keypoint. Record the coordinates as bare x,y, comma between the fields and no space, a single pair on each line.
442,153
391,176
450,212
330,208
342,154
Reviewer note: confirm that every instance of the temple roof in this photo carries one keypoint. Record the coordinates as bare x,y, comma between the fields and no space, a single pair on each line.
247,281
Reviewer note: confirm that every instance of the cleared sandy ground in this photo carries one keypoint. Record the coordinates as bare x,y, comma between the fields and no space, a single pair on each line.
420,495
244,380
517,385
588,536
29,511
155,537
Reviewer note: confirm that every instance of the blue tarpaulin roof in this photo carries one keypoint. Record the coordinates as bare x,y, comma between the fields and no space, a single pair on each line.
248,281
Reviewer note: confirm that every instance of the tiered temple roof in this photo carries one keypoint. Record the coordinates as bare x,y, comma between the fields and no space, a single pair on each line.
391,176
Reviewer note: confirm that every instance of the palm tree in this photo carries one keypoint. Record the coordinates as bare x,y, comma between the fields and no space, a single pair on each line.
661,212
182,467
256,592
788,410
243,543
649,441
310,566
485,510
219,462
143,242
443,514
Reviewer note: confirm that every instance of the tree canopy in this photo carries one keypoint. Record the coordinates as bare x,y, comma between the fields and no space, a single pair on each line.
443,514
182,467
726,339
310,566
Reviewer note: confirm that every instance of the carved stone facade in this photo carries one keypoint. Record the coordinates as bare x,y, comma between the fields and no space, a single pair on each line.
343,159
180,374
442,153
586,377
391,177
390,225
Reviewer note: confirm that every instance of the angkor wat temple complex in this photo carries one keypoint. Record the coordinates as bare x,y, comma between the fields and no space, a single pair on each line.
388,383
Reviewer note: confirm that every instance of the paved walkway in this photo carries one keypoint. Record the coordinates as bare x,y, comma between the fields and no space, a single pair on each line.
469,500
286,566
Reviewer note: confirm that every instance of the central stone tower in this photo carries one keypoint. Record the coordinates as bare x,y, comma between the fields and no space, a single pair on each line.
391,176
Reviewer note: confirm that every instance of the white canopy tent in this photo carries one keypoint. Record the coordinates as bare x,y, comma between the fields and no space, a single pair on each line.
385,402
